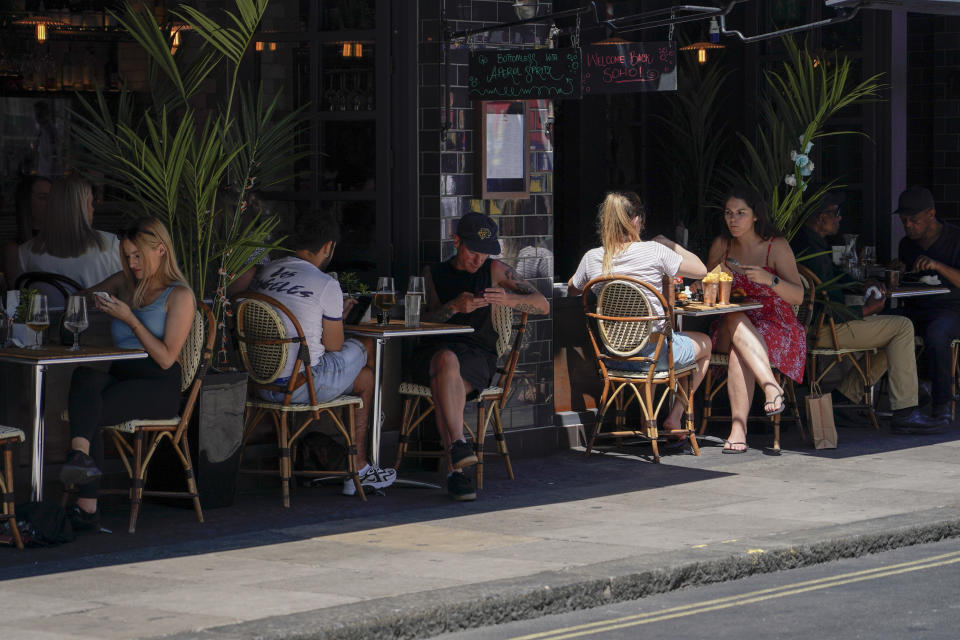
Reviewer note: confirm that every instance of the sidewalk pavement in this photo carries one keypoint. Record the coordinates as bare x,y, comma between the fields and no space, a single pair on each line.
570,532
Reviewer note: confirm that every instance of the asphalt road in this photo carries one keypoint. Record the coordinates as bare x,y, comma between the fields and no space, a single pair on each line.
907,593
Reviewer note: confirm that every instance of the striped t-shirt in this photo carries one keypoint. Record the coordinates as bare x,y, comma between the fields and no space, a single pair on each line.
647,261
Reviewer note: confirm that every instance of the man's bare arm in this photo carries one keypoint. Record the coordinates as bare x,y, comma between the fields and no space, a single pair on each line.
518,294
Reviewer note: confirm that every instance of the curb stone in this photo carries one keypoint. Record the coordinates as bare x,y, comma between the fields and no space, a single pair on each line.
427,614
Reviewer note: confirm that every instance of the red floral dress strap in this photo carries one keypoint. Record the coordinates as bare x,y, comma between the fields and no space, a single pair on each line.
766,262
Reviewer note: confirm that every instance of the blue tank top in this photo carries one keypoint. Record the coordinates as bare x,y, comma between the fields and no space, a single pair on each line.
153,317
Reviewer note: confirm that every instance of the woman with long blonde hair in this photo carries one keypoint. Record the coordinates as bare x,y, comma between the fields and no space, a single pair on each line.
152,309
67,243
619,223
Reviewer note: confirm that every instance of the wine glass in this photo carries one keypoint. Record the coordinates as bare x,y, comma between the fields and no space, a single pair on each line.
75,319
38,317
384,298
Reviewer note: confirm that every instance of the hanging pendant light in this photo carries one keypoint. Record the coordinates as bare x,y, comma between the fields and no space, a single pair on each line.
701,47
40,23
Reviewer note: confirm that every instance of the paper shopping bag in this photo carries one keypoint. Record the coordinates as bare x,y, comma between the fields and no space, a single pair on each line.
820,418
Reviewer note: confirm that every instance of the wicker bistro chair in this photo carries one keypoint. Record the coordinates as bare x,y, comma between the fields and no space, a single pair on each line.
9,437
838,354
418,399
137,440
620,327
716,378
262,338
57,287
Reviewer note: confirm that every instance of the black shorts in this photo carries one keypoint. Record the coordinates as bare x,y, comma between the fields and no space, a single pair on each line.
477,365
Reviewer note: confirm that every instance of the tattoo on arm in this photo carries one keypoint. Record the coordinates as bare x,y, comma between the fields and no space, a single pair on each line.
516,284
527,308
442,314
524,289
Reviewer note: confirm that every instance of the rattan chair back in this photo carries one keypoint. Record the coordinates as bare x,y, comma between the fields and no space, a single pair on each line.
56,287
263,340
502,317
192,352
622,298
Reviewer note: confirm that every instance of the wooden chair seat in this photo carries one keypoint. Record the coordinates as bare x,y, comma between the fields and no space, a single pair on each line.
413,389
658,375
131,426
9,438
418,399
138,440
339,401
263,340
823,351
621,325
11,434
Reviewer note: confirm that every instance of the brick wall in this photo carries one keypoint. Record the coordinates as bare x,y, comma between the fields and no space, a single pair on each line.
933,109
447,188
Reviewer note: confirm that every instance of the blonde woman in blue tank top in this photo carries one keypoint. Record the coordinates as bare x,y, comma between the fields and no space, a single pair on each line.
152,309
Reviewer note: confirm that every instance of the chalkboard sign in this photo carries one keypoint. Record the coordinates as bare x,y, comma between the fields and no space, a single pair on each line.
629,67
506,75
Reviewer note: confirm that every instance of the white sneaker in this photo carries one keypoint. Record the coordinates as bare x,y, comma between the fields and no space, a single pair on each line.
372,477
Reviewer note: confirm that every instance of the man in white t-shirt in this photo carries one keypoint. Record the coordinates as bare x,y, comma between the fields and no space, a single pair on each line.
314,298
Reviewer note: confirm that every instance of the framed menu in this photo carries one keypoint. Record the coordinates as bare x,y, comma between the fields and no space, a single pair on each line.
504,144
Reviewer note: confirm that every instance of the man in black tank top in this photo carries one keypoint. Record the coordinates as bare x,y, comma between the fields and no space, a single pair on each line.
460,291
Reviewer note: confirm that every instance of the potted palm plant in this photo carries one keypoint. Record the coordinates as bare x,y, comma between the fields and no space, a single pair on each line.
802,96
196,170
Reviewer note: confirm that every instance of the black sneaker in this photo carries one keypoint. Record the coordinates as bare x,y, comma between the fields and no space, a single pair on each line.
80,520
79,468
914,422
462,455
941,412
460,488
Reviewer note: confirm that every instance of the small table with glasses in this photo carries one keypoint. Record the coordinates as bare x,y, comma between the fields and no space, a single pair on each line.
699,309
380,334
40,359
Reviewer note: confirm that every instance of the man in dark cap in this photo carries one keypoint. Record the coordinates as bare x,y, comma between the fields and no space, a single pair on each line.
859,327
461,291
932,247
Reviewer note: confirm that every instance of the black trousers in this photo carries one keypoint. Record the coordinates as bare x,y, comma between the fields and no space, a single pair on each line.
938,327
130,389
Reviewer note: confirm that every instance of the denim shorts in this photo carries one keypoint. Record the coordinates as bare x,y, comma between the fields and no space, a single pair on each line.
683,355
332,376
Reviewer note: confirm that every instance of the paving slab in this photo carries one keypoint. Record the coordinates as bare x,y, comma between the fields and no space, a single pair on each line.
571,531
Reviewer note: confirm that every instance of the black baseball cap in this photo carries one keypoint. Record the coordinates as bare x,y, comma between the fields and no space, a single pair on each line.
914,200
478,232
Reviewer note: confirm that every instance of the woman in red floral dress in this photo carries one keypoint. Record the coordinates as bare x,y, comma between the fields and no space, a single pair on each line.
766,270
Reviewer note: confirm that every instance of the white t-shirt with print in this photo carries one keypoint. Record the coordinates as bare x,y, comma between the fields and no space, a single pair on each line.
310,295
647,261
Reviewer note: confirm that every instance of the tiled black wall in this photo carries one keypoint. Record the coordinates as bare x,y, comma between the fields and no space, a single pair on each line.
933,109
447,181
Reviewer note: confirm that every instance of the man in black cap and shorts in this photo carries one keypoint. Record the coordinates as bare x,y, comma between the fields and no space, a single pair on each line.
932,247
457,367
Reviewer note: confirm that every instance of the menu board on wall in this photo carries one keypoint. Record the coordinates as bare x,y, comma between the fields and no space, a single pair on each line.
504,170
516,75
629,67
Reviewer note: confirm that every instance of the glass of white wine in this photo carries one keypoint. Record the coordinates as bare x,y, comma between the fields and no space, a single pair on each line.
75,320
38,318
384,297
